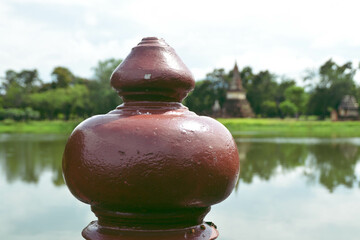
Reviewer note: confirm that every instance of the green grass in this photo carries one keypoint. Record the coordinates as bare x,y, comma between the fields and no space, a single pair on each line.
291,128
64,127
239,127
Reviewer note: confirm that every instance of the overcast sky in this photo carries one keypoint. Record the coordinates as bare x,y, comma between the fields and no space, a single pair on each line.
285,37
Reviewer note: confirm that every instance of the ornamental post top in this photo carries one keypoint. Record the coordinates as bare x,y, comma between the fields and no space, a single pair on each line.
151,169
152,72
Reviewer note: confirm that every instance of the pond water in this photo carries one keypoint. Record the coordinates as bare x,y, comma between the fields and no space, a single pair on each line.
289,188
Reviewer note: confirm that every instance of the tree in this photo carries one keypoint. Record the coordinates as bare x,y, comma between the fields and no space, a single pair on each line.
14,96
62,77
207,91
220,83
17,85
298,97
288,108
202,98
269,108
29,80
329,85
10,78
103,97
284,84
71,101
247,76
262,88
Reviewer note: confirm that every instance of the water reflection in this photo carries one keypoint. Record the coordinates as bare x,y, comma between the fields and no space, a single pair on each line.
328,162
26,156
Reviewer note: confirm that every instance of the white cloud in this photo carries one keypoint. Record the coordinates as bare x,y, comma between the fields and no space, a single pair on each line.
285,37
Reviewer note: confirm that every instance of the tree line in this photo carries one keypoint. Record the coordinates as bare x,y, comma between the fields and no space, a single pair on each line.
24,96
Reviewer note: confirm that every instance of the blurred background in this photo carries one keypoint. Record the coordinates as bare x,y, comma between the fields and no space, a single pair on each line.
292,65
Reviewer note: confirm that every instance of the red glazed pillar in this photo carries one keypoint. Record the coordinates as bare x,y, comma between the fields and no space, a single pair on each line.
151,169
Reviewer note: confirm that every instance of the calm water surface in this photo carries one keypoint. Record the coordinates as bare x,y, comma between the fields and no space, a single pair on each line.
289,188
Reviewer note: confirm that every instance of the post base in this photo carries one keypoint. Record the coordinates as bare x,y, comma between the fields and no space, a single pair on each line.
204,231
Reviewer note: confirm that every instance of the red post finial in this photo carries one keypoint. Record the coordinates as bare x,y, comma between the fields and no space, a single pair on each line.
152,71
151,169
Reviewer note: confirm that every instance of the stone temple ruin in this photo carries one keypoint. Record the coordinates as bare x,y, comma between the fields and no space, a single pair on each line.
347,110
236,104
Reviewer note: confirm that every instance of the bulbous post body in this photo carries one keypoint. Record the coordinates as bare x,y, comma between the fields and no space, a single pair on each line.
151,169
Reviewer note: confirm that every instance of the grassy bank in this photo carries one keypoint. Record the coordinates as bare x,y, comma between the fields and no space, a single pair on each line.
291,128
238,127
64,127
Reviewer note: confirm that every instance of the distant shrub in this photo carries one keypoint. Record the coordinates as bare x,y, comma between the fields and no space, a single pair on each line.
269,109
8,122
16,114
288,108
60,116
31,114
19,114
2,114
